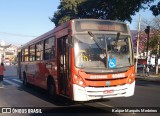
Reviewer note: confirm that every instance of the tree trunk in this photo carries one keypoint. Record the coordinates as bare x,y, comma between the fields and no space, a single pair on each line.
157,59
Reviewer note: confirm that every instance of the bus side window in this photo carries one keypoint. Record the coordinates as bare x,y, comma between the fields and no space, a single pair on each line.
23,55
46,49
32,53
52,44
26,54
39,51
49,51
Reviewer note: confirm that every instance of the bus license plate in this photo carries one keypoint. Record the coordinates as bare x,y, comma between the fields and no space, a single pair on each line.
108,91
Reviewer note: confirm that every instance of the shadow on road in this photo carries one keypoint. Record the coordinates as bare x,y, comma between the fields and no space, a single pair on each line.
42,94
64,105
141,82
62,101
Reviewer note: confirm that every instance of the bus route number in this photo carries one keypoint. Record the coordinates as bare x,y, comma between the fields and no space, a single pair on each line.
121,75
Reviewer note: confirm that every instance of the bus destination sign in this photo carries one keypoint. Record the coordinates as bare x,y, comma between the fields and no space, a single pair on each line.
100,26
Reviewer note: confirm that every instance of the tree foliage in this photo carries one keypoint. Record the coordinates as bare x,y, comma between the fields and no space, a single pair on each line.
153,44
100,9
154,33
155,9
67,10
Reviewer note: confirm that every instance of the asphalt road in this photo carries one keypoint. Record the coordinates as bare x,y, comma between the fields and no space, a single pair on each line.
14,94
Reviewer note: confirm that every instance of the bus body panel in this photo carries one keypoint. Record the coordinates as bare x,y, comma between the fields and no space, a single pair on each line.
92,93
93,85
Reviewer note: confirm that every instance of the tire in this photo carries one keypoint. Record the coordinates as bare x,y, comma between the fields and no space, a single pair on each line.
24,80
52,91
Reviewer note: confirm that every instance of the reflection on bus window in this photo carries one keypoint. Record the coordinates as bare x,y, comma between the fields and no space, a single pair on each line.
39,51
49,49
32,53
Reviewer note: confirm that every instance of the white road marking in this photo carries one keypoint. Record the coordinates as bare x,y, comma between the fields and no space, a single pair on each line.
12,83
105,105
17,80
113,107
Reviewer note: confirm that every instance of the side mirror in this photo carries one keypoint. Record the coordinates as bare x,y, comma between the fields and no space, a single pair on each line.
70,41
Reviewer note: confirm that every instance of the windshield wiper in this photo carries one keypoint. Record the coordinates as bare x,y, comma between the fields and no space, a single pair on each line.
117,38
93,37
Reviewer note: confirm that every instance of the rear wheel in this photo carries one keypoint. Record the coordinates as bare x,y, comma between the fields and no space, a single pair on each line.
52,91
25,79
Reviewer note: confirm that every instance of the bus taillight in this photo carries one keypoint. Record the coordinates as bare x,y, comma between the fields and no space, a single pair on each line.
78,80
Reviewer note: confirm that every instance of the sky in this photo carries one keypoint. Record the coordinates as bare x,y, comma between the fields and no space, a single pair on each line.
144,14
23,20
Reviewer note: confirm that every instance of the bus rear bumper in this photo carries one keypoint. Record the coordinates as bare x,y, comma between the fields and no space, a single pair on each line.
92,93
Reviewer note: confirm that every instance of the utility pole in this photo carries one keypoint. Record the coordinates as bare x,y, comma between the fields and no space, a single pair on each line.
137,52
147,30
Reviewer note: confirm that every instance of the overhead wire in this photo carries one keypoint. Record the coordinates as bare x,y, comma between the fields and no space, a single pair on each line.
15,34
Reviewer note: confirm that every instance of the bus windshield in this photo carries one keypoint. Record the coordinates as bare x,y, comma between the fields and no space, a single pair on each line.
102,51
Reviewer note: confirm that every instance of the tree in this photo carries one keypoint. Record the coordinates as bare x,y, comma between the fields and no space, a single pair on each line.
112,9
155,9
67,10
153,44
100,9
155,30
155,48
154,33
154,39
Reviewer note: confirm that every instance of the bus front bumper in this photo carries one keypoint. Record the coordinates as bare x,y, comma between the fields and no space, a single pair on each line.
92,93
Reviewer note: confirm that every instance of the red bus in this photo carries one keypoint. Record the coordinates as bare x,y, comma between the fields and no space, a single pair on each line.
82,59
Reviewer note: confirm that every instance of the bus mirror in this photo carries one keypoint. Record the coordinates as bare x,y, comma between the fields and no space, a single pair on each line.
70,40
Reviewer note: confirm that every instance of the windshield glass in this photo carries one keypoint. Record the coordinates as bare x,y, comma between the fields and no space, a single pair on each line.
102,51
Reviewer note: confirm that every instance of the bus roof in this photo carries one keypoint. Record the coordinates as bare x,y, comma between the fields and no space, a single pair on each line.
56,29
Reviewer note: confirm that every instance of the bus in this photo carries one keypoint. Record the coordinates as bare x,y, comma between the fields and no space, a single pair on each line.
82,60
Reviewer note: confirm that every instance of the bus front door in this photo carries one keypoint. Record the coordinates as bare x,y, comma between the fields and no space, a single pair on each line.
63,76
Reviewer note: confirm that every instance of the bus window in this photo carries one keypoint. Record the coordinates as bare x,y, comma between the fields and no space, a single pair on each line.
26,54
89,52
23,55
39,51
32,53
49,51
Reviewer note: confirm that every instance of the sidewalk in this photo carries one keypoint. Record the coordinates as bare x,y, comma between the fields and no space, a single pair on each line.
152,76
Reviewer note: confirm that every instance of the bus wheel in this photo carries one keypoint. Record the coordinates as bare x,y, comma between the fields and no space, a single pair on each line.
25,80
52,91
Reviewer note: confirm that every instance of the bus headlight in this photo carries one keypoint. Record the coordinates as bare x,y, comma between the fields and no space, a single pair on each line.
78,80
131,78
